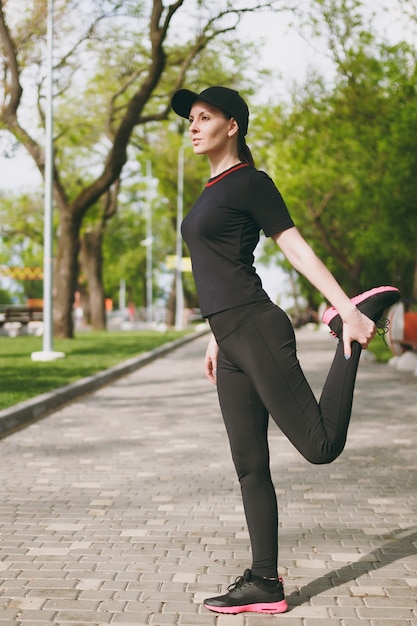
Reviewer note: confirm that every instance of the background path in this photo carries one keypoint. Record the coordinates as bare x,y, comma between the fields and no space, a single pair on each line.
123,508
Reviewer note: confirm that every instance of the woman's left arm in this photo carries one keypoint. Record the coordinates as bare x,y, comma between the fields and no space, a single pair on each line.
299,253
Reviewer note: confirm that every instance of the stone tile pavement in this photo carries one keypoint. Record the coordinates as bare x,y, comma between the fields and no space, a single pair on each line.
123,508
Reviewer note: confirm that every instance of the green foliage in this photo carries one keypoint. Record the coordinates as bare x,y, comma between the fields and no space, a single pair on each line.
344,158
21,236
125,256
6,296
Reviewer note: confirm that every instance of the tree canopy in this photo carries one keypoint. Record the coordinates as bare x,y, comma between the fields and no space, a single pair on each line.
346,157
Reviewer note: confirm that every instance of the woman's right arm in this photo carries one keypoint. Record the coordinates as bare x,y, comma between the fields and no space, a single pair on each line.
299,253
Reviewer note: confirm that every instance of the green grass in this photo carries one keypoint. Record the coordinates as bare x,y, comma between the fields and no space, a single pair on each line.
87,354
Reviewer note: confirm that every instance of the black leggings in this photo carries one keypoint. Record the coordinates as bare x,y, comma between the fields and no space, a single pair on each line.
259,375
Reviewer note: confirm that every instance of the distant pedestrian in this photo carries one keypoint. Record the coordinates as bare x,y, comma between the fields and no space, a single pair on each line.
251,354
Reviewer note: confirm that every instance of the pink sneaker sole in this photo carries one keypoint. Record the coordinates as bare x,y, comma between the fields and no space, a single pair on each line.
267,607
384,297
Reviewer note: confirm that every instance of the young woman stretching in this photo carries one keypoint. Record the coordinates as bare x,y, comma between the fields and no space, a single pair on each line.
251,355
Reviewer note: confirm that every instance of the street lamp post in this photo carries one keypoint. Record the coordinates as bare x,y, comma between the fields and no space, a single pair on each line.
47,353
179,291
149,195
149,242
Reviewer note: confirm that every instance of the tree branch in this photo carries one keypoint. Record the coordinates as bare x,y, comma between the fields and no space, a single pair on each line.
336,251
117,155
158,28
13,89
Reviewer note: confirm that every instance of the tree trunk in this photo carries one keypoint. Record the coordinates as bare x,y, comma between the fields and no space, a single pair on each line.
84,303
92,266
65,275
170,309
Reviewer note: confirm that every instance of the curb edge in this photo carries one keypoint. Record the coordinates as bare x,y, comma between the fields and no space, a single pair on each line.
24,413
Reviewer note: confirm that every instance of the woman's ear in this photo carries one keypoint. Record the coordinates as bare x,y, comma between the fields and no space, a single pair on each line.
233,127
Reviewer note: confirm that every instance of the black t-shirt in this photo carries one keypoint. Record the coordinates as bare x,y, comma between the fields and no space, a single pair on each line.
222,231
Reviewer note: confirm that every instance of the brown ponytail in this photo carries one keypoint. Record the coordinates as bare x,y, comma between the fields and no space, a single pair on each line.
245,155
243,150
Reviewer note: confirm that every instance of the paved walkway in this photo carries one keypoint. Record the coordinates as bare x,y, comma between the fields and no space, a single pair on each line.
122,508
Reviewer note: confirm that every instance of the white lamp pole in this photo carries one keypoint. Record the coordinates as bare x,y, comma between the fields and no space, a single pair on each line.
179,291
47,353
149,243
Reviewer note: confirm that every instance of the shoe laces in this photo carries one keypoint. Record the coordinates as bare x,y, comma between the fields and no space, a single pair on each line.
382,327
240,582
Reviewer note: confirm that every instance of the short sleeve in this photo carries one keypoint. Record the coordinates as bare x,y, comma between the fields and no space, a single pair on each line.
266,205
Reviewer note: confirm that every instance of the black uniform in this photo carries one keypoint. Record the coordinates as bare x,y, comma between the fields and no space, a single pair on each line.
258,370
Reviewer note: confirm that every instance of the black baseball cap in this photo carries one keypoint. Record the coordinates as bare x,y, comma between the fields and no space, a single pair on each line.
228,100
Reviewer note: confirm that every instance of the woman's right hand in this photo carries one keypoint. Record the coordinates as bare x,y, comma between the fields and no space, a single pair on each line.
210,360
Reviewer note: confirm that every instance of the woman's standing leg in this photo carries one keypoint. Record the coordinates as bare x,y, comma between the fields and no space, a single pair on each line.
260,589
246,421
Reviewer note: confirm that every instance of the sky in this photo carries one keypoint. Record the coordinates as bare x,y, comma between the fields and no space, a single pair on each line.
282,50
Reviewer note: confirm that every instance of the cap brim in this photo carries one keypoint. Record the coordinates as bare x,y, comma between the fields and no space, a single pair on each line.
182,101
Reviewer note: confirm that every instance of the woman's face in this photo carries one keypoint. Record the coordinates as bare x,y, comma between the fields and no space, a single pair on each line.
210,131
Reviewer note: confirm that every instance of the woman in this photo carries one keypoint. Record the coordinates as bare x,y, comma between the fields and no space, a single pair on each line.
251,354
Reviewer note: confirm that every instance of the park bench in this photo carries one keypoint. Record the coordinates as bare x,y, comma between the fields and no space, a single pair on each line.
21,314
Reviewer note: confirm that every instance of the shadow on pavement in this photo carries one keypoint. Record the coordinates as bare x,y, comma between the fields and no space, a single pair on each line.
398,546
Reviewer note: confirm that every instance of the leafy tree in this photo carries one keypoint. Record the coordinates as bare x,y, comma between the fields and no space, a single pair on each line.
127,51
346,157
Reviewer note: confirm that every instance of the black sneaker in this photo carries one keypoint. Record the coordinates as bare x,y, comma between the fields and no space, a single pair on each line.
250,594
371,303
